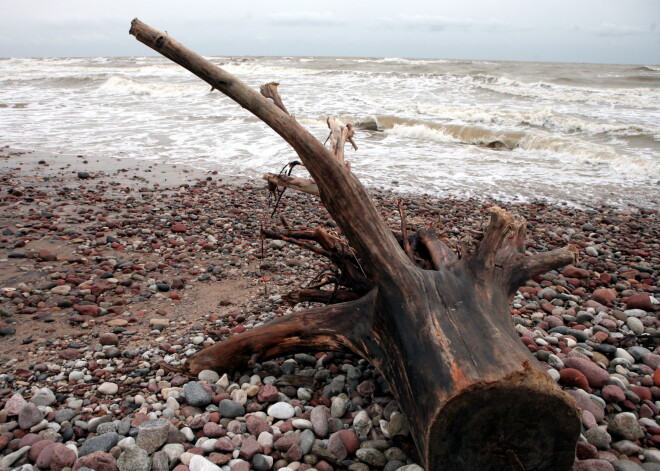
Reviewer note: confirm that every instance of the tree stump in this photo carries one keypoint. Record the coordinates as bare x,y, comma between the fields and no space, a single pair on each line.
435,325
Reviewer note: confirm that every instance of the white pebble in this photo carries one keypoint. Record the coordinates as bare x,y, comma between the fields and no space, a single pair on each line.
281,410
108,389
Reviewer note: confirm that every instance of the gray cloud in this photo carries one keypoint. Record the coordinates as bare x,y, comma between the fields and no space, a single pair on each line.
304,18
444,23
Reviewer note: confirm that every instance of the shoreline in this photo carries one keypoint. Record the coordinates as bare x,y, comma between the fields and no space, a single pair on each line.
105,278
39,167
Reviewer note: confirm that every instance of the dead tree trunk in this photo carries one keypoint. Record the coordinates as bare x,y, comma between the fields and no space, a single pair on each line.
474,396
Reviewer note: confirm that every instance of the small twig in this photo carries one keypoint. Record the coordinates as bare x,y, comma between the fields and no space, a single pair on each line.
290,165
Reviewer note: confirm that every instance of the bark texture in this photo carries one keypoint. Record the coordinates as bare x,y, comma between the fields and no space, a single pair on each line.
436,325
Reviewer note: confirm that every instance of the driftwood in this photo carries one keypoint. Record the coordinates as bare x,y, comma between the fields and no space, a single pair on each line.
435,325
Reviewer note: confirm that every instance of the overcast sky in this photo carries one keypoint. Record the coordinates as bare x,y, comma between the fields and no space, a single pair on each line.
608,31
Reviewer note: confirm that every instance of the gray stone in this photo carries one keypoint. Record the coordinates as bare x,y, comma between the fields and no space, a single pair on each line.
196,395
99,443
398,425
638,352
43,397
134,459
626,447
337,385
362,423
96,421
262,462
152,434
651,466
395,454
124,426
380,445
411,467
230,409
625,425
307,440
25,467
635,325
173,452
106,428
159,462
652,456
65,415
626,465
393,465
598,437
209,376
338,407
11,458
372,457
76,375
29,416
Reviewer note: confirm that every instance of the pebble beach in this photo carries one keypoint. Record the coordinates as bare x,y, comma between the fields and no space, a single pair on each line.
113,272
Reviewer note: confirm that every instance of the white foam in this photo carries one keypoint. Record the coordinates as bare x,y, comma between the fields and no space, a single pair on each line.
643,97
121,85
544,117
424,123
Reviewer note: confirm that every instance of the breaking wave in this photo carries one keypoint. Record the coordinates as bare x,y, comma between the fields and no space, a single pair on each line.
536,141
121,85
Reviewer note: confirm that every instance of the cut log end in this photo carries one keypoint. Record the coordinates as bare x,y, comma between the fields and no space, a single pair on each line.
520,423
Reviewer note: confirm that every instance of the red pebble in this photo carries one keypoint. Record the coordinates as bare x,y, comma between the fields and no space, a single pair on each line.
574,378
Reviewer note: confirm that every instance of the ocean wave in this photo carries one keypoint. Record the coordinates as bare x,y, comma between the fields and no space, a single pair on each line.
561,147
648,68
121,85
642,97
242,69
544,117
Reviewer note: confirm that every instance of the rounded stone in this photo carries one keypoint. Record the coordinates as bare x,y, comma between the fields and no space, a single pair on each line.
62,457
109,389
210,376
199,463
230,409
196,394
372,457
281,410
625,425
101,443
29,416
98,461
43,397
319,418
596,376
613,393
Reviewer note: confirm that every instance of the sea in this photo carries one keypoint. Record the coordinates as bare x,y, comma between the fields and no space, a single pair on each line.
581,135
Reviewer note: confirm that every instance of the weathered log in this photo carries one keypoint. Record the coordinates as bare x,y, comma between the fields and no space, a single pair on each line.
474,396
299,184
